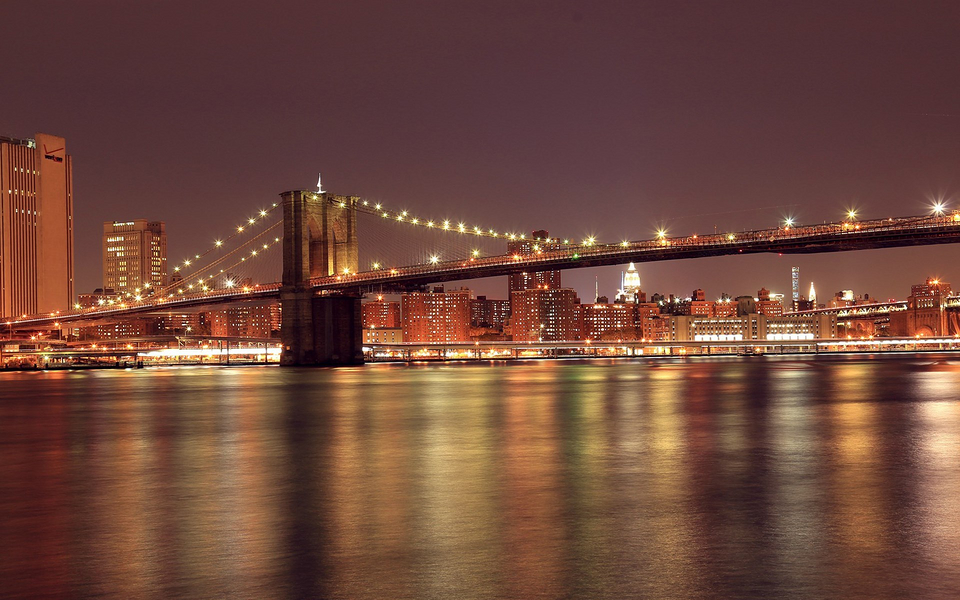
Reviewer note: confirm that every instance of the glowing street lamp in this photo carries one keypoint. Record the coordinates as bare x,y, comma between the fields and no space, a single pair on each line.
938,208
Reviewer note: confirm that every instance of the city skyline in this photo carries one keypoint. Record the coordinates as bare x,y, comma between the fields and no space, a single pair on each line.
784,132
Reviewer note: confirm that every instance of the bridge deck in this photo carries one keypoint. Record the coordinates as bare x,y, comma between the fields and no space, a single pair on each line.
829,237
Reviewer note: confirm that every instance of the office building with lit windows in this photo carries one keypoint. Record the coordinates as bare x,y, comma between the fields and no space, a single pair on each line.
381,314
604,321
134,255
436,316
753,326
544,315
246,320
36,225
486,312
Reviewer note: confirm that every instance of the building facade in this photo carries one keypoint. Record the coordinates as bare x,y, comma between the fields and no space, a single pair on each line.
381,314
544,315
768,304
435,317
752,326
386,335
485,312
134,255
618,321
36,225
926,314
247,320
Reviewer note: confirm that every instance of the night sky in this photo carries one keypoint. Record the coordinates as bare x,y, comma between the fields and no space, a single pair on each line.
603,118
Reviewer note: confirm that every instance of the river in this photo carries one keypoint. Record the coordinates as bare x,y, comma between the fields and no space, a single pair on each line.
761,477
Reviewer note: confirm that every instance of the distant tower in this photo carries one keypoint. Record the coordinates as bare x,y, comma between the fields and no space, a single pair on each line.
134,255
812,297
629,286
795,287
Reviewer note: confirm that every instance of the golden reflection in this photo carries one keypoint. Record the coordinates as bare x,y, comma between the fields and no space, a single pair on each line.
534,490
857,490
543,479
668,479
939,479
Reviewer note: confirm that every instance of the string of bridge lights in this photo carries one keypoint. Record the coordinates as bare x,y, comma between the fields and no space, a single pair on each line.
206,283
446,225
251,221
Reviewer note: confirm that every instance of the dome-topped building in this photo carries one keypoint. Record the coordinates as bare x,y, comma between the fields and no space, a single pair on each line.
629,291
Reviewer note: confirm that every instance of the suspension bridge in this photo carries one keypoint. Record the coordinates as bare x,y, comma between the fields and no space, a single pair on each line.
304,250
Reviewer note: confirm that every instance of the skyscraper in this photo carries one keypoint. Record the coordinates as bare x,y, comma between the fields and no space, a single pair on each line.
134,255
629,291
36,225
795,288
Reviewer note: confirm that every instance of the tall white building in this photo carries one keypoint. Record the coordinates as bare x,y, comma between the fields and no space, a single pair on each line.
629,291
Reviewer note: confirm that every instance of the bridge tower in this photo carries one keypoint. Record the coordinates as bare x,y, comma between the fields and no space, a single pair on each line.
319,239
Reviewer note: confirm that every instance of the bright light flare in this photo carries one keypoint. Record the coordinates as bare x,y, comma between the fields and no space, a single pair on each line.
938,208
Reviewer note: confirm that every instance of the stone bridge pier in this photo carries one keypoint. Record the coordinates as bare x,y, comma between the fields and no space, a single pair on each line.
319,239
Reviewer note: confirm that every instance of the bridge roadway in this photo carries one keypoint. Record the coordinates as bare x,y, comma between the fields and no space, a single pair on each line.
829,237
804,239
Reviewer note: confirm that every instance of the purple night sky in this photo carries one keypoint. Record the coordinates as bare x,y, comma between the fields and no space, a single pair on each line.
604,118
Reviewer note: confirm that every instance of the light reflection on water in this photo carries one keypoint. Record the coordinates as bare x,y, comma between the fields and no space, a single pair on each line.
822,478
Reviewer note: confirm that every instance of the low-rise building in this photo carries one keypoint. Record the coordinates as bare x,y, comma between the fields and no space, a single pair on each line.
382,335
752,326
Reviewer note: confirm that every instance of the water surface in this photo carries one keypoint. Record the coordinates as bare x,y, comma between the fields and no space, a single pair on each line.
731,478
